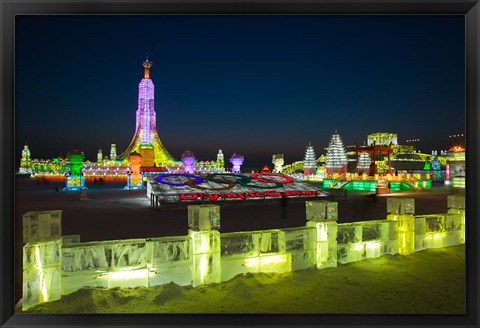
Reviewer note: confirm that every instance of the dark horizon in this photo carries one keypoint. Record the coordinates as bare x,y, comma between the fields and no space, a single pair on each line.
253,85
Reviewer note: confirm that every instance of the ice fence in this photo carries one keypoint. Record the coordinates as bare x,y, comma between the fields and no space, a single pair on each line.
52,268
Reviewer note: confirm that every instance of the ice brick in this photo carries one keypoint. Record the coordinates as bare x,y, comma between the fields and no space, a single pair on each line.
72,281
252,243
420,225
325,230
321,210
300,239
390,247
347,253
206,269
435,223
206,266
405,222
397,205
238,244
41,285
373,249
205,242
70,239
349,233
96,256
168,250
204,217
372,230
420,243
128,278
42,254
453,221
129,255
42,226
456,201
406,242
303,259
269,263
178,272
233,266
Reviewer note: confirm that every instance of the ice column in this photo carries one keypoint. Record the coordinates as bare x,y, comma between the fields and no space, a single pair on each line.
323,215
456,211
402,210
41,257
204,222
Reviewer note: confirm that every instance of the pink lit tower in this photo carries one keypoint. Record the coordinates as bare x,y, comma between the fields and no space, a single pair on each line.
146,141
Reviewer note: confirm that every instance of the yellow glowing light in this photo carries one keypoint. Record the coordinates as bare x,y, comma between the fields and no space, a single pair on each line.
204,247
263,260
435,236
127,275
41,275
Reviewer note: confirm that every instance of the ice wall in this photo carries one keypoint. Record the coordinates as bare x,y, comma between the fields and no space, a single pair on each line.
368,239
254,251
52,268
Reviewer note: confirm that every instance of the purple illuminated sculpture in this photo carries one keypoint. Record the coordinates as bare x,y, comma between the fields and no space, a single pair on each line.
188,160
146,141
237,161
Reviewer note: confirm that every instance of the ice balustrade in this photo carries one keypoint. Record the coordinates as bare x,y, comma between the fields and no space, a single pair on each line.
52,268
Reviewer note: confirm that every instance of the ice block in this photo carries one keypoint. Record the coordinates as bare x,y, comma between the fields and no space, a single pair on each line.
321,210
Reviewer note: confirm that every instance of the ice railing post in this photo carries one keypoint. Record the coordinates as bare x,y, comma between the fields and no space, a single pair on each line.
402,210
456,211
42,253
203,223
323,214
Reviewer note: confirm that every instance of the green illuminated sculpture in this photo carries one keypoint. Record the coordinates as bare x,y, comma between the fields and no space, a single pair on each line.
76,158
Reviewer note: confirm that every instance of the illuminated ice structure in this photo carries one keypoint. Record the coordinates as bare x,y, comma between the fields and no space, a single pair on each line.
455,168
220,164
100,156
25,162
188,161
74,177
237,161
364,162
134,179
278,162
146,141
53,268
336,159
309,162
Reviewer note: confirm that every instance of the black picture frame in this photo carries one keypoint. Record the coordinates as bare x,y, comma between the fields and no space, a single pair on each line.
10,8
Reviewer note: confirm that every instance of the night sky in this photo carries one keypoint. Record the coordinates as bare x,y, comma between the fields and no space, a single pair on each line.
254,85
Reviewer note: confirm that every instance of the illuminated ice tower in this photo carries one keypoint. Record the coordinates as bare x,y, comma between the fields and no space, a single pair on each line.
336,160
113,152
309,162
25,162
146,141
220,164
100,156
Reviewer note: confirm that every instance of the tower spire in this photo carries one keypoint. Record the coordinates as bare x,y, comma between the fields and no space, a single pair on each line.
147,64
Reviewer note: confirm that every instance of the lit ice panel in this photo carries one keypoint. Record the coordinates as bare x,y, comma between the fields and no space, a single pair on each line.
168,250
397,205
321,210
42,226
